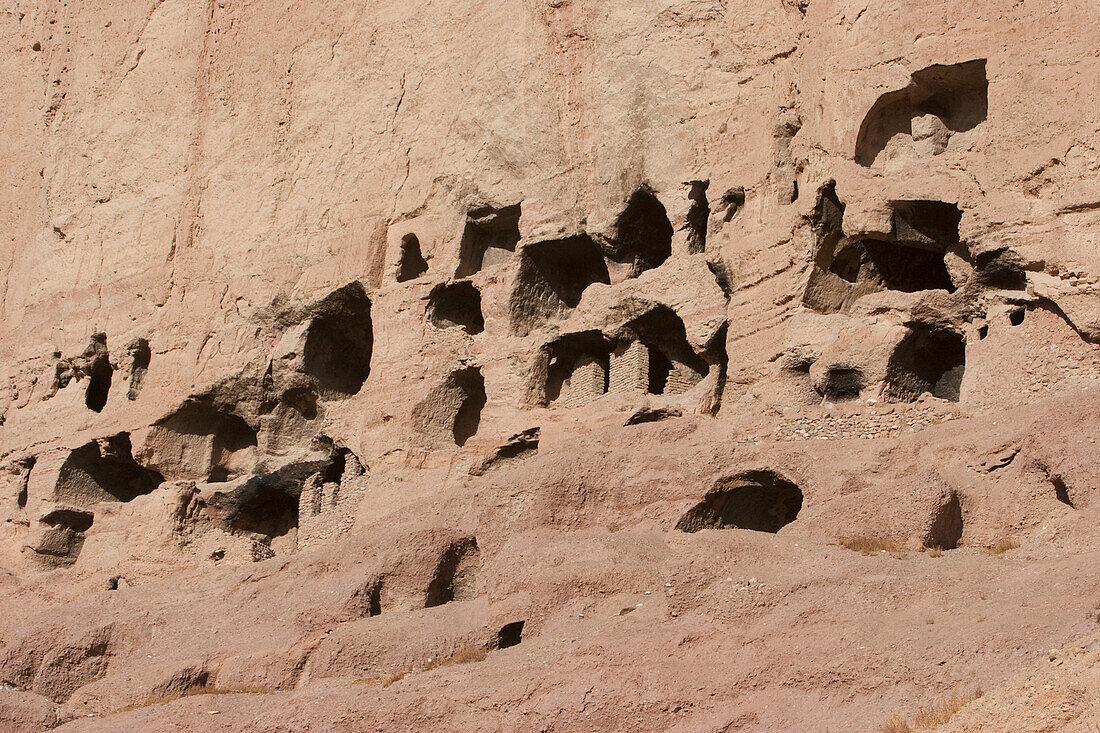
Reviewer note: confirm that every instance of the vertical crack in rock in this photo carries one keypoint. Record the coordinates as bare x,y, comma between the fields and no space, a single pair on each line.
697,217
139,355
24,466
100,372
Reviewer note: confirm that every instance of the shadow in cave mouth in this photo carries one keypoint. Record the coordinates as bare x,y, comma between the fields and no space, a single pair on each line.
762,501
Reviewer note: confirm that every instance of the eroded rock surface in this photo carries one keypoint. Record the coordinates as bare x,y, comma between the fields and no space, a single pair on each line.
548,365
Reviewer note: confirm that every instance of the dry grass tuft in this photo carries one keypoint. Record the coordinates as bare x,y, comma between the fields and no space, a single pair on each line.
933,551
1002,546
868,545
930,717
207,689
462,655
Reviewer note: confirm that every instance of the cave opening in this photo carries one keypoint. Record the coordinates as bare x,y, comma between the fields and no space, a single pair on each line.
411,263
762,501
339,342
928,359
489,238
456,304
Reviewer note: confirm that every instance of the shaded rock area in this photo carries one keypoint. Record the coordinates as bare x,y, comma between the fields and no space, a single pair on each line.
684,366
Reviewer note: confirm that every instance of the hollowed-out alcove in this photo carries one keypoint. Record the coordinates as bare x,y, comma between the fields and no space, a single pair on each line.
762,501
573,369
60,539
267,504
411,263
203,441
843,383
104,470
366,600
926,224
100,373
643,234
471,387
928,359
140,356
946,527
456,304
652,354
551,278
894,266
302,400
74,519
911,259
451,412
836,264
730,203
489,237
939,101
1000,268
266,509
697,217
339,342
510,634
455,575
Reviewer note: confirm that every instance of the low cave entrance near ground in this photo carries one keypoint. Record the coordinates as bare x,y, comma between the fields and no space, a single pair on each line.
762,501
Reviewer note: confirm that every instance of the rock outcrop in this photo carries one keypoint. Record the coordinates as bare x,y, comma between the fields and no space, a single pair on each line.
546,365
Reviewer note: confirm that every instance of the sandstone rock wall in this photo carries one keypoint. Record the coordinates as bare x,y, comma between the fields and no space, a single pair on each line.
279,280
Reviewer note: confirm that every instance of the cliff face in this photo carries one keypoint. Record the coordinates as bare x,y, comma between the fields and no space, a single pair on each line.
588,343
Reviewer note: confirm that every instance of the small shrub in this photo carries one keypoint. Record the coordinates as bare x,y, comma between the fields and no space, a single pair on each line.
895,724
204,689
930,717
869,545
1002,546
462,655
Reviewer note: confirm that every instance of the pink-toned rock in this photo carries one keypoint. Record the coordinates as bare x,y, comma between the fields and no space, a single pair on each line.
546,365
